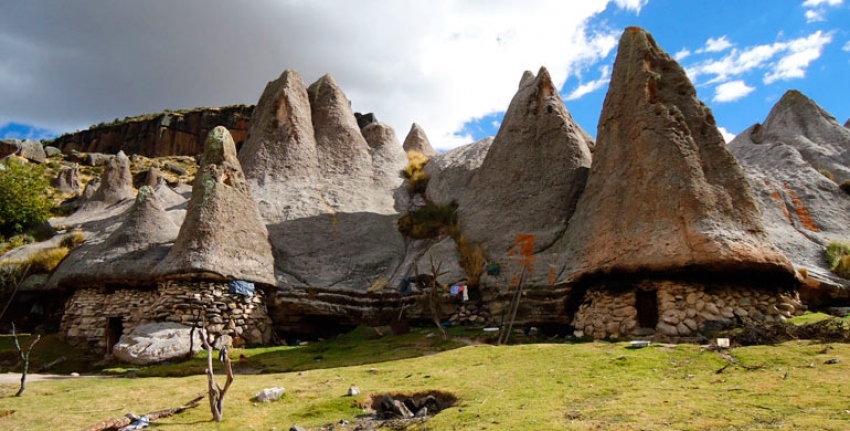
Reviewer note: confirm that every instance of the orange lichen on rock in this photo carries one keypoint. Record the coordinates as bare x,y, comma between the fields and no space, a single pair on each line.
802,212
524,248
775,195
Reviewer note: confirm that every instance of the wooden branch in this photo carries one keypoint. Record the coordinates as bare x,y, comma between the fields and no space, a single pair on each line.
111,424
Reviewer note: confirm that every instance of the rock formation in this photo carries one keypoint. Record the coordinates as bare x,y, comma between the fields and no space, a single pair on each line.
795,162
179,133
222,236
450,173
528,183
416,140
664,195
153,343
324,191
67,179
28,149
116,182
129,254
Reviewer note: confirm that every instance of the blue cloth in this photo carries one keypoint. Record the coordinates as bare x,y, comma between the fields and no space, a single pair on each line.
242,287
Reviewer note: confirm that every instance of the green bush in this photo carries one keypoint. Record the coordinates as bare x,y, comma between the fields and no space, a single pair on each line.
838,256
24,200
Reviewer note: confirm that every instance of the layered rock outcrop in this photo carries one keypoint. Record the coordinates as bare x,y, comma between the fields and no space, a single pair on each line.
180,133
796,161
664,194
530,180
222,236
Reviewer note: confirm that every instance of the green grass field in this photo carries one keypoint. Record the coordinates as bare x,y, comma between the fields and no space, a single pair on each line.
545,386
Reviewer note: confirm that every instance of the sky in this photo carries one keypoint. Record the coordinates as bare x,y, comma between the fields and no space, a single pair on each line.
450,66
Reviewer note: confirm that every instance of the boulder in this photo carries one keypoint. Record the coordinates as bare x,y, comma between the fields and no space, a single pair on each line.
222,236
67,179
52,151
28,149
269,394
795,162
664,195
153,343
416,140
96,159
33,151
530,180
364,120
450,173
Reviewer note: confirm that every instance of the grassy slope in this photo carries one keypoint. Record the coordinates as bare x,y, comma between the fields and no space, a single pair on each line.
535,386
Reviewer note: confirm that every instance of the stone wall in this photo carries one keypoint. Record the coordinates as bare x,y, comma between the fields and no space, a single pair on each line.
88,312
683,308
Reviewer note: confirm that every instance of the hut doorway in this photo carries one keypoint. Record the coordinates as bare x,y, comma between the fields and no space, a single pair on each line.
114,331
646,302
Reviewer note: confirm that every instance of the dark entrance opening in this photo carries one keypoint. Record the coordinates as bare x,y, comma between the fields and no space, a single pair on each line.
114,331
647,308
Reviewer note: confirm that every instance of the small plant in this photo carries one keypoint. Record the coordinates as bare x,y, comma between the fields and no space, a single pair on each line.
429,221
838,257
472,259
827,173
72,240
40,262
414,173
15,242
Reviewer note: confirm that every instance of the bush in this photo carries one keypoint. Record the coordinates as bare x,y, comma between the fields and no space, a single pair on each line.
427,222
472,260
24,199
838,256
414,173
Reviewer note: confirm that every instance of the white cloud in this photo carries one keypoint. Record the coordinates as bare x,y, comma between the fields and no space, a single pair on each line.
794,57
728,137
455,62
731,91
716,45
816,3
590,87
846,47
801,52
682,54
814,16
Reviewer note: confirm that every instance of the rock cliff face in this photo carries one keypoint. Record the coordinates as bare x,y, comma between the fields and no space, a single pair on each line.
525,190
795,162
664,194
416,140
179,133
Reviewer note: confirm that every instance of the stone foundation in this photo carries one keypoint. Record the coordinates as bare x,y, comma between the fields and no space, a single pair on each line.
683,309
89,311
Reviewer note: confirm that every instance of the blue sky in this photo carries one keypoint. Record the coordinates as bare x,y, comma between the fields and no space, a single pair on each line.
715,36
448,65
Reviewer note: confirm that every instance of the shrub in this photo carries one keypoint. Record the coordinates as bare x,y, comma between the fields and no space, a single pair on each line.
414,173
72,240
838,256
472,259
40,262
427,222
24,198
15,242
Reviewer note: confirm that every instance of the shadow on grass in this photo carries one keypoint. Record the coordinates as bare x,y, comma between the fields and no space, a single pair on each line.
360,347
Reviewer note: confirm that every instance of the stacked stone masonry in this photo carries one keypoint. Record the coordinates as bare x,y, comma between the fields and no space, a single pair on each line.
683,309
88,312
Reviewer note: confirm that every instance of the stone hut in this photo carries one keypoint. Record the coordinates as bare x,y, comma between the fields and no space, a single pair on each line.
150,270
667,237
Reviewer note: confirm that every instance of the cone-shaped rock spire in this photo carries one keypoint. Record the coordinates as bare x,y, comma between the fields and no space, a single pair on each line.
532,175
416,140
664,194
222,236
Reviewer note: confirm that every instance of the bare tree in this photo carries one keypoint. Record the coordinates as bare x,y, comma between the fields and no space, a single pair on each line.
216,392
25,358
